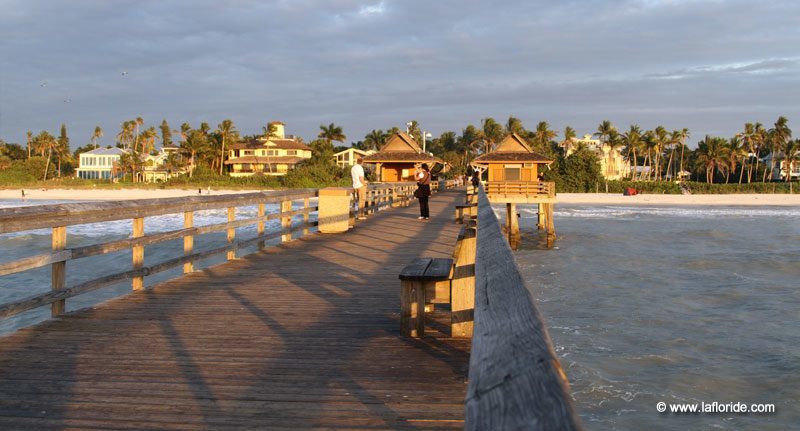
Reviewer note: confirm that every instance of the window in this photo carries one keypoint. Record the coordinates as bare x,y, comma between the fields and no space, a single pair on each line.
247,152
291,152
512,174
271,152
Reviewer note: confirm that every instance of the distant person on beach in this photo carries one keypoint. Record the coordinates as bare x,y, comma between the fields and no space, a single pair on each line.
359,186
423,178
23,194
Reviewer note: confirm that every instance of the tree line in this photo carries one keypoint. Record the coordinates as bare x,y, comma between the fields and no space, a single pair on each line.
654,155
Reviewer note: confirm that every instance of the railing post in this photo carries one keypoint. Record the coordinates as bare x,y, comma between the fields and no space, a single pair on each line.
59,269
231,233
188,241
138,253
462,296
286,221
306,206
260,227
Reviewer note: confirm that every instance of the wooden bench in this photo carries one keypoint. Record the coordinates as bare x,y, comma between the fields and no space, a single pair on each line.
460,211
424,281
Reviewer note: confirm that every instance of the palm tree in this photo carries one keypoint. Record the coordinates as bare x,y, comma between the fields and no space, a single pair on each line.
543,135
331,133
760,137
779,135
683,135
138,122
569,135
660,140
375,139
185,129
47,143
791,155
125,135
632,139
166,133
149,140
603,132
30,138
514,125
736,149
712,155
226,130
490,134
98,133
614,141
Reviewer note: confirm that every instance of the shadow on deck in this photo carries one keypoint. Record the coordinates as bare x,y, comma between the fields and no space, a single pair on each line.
305,334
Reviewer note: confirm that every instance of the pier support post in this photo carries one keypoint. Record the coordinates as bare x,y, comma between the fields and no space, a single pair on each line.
59,269
541,217
462,291
512,223
286,221
231,233
550,226
306,205
188,240
138,253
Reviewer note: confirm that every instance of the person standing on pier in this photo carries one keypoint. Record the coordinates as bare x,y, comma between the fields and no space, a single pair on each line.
423,177
359,186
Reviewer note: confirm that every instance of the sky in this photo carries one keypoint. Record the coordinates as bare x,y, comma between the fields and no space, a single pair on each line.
708,65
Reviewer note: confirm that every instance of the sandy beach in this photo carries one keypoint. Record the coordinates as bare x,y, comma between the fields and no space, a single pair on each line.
563,198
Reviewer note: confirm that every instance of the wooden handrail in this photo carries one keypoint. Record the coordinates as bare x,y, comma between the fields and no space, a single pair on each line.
515,380
59,217
521,188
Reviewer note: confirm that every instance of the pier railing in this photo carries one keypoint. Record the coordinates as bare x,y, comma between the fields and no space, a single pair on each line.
521,188
58,217
515,380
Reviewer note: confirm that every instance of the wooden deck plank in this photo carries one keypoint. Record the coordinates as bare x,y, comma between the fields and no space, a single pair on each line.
302,335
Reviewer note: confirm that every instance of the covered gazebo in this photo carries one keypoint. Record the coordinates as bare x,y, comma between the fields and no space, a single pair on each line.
396,159
513,177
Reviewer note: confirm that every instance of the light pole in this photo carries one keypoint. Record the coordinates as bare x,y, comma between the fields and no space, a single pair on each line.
424,136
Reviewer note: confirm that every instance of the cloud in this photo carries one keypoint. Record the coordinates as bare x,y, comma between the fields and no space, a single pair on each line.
706,65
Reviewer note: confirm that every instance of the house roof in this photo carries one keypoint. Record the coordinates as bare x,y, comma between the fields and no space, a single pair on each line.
106,152
513,149
259,160
400,148
355,150
281,144
395,156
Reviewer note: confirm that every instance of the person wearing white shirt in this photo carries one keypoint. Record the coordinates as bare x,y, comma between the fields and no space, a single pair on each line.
359,186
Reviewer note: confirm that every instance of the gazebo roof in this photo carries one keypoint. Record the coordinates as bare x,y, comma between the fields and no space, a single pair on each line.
513,149
400,148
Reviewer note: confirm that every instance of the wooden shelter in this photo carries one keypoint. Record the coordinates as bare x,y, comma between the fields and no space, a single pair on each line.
396,159
513,160
513,177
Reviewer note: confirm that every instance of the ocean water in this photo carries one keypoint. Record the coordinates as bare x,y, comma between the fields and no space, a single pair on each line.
17,245
674,305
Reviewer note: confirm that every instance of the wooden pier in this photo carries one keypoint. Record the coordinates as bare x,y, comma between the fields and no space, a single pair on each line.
305,334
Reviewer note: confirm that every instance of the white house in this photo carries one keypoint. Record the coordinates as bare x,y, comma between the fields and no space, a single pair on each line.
349,156
614,170
779,166
99,163
274,155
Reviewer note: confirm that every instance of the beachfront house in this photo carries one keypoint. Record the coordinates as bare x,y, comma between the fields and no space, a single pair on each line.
396,159
155,167
348,157
99,164
612,164
267,155
780,167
